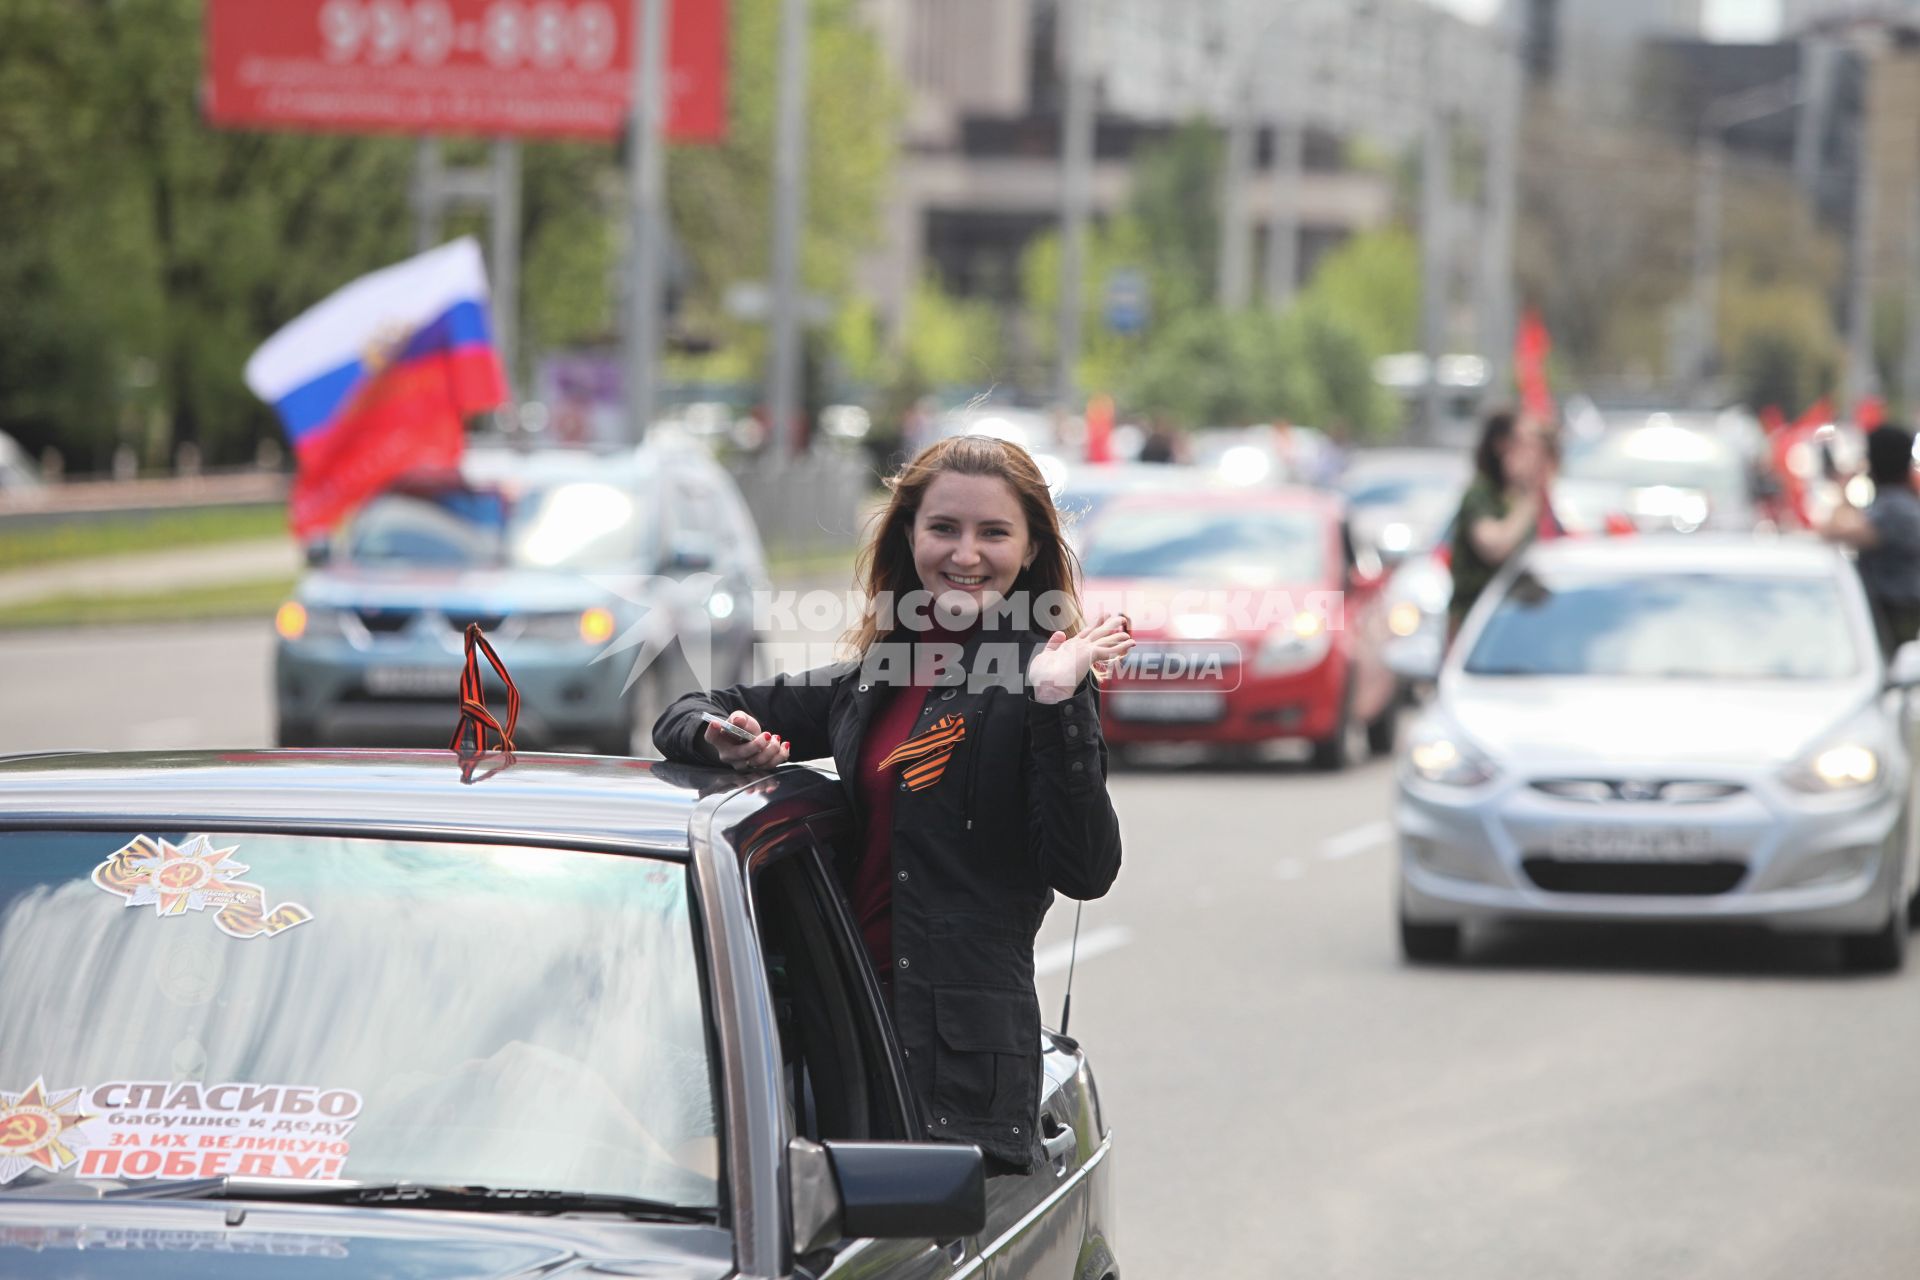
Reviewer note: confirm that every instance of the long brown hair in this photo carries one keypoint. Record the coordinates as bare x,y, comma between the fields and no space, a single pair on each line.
885,569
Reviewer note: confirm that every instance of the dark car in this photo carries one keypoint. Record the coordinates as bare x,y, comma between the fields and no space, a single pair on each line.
580,566
367,1014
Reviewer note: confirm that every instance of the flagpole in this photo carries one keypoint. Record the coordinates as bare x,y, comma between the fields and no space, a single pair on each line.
647,177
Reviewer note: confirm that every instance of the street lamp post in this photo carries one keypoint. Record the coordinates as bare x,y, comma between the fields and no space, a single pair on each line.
649,211
1720,115
1076,165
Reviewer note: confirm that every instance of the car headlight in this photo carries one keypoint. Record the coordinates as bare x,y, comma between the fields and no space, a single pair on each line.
578,626
1846,766
1294,645
1448,760
296,621
1404,618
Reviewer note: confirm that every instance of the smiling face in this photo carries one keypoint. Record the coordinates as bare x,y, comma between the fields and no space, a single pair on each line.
970,541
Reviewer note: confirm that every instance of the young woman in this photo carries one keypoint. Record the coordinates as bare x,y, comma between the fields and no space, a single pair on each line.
1503,509
967,731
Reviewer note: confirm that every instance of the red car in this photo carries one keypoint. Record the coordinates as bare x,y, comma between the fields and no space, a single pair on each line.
1254,621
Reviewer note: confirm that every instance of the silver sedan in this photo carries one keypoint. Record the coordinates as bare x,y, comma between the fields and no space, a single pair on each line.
1696,729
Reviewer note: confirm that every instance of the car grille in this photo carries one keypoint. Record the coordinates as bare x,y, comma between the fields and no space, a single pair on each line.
1637,790
1651,879
385,621
489,622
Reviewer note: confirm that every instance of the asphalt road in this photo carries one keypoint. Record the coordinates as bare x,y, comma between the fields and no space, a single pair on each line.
1288,1098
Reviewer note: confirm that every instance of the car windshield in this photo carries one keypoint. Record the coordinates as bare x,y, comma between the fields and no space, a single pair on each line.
1668,626
1651,457
581,527
1247,546
1405,487
184,1004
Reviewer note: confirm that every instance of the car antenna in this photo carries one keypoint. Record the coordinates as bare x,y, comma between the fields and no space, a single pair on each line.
1066,1006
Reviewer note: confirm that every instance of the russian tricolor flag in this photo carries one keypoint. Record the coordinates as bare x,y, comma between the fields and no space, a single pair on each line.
379,378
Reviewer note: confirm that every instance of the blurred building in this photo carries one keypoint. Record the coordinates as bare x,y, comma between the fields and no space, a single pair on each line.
979,175
1795,104
1798,15
1585,51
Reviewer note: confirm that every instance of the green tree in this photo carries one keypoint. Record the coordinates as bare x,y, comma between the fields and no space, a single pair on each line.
1117,245
1336,357
722,196
1782,347
1176,201
1371,285
144,255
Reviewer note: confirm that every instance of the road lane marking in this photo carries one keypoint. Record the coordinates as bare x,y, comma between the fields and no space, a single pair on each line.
1094,942
1359,840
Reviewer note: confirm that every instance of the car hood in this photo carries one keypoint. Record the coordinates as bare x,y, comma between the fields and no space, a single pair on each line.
464,590
1569,721
1206,610
153,1240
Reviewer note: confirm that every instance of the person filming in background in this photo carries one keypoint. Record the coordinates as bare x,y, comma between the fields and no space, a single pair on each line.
1504,508
1885,537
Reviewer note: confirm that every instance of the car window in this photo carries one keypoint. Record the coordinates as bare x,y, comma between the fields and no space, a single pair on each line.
835,1058
1651,457
696,515
1249,546
184,1004
1669,626
582,527
450,529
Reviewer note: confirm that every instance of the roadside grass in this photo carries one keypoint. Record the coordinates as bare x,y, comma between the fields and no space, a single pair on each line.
786,564
80,538
256,598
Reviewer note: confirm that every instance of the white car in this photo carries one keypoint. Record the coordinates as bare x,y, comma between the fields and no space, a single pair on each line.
1674,729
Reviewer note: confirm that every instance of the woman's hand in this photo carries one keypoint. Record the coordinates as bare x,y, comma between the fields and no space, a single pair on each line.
764,752
1057,670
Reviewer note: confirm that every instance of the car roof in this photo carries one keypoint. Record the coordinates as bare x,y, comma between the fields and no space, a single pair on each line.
1793,556
495,461
640,805
1400,461
1135,477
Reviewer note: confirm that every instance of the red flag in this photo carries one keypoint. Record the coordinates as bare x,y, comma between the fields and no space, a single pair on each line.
378,378
1100,429
1531,347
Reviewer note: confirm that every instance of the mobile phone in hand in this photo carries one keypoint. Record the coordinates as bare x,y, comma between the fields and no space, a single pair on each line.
727,726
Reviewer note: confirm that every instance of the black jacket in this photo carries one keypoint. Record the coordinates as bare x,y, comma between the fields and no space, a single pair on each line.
1019,810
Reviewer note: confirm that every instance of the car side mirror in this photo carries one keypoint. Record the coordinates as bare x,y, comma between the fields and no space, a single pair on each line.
688,553
884,1190
1904,671
318,553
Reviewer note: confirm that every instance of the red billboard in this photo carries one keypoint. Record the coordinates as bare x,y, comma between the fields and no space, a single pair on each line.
517,68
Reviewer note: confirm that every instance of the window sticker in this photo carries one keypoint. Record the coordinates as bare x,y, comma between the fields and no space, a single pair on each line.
195,876
41,1129
137,1129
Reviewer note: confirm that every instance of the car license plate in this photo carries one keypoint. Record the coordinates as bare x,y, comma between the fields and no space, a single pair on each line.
1632,844
403,681
1186,706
